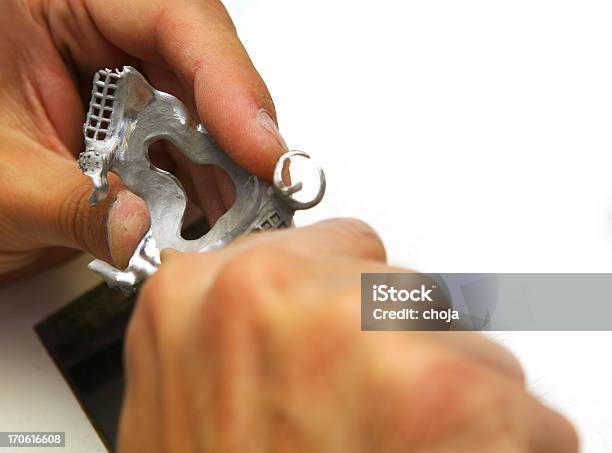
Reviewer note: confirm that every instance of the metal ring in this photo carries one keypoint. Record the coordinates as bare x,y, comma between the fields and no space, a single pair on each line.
285,192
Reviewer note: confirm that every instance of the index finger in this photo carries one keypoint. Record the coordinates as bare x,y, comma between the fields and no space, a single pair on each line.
198,42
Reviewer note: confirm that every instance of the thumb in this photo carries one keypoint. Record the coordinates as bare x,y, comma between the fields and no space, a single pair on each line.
51,209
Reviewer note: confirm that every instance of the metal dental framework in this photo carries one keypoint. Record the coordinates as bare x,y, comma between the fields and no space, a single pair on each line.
126,115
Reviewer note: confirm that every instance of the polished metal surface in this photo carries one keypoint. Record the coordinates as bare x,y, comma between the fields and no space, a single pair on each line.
126,115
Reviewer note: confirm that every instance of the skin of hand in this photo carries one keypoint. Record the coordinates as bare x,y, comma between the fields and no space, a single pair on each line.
49,52
257,348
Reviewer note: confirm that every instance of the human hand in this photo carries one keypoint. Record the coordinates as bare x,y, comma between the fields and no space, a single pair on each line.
257,347
49,51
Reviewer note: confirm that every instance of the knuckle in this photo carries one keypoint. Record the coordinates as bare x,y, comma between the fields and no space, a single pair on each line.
444,393
245,281
452,382
256,269
359,232
457,394
235,300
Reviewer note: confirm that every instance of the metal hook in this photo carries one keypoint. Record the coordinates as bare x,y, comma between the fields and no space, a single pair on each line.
285,192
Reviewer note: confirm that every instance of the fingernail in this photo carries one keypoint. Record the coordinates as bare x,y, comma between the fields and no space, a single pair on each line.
266,121
128,221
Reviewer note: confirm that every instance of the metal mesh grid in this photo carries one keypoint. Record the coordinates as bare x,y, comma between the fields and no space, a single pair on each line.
273,221
101,104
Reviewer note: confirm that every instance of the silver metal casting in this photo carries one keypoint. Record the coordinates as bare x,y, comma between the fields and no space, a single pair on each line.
126,115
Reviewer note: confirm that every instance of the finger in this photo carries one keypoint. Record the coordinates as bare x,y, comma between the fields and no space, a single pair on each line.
549,431
72,33
212,188
80,41
209,198
336,237
348,238
42,98
50,207
164,79
200,183
127,222
487,352
226,187
164,156
197,40
339,238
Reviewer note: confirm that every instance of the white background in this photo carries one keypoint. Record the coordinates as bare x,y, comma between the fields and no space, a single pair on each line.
474,136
